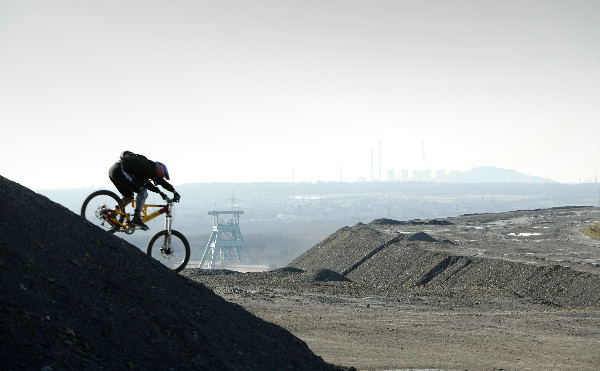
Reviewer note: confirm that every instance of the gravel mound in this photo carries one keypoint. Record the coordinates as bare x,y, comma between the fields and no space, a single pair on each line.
386,221
429,222
342,250
326,275
75,297
421,236
405,265
265,281
374,260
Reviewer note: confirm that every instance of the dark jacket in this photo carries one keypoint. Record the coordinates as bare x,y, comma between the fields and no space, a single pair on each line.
143,170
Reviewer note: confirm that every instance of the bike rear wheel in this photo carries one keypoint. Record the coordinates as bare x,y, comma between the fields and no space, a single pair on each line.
174,252
99,207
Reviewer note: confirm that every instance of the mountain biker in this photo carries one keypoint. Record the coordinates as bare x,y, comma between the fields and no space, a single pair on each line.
134,173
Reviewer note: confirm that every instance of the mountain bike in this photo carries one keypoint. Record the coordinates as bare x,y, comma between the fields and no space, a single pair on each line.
106,210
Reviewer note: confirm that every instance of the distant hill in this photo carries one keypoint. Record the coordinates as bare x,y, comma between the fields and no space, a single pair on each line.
491,174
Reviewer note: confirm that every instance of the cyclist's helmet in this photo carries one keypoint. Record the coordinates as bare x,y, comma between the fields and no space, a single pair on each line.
161,170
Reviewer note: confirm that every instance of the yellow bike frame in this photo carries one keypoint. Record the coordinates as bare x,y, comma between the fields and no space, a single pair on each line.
145,217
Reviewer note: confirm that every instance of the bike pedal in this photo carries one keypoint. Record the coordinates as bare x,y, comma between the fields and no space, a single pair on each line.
137,226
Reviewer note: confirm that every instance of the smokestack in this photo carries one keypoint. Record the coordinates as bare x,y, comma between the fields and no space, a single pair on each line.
380,160
371,165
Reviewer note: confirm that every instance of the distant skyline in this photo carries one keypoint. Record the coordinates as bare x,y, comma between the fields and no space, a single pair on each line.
281,90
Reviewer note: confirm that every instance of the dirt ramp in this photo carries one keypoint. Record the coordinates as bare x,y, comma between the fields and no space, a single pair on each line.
75,297
342,250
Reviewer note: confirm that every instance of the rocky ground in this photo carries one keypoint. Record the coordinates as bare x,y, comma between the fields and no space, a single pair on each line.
516,290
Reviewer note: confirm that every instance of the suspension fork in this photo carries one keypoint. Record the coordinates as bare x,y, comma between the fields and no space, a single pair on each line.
168,222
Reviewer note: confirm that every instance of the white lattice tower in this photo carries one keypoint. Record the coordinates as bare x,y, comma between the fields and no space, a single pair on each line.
226,246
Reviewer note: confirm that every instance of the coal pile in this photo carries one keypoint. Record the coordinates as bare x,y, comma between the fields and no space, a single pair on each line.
430,222
421,236
326,275
342,250
387,221
264,280
75,297
419,261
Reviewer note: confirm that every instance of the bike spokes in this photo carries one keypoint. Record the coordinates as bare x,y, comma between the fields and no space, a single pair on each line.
101,209
171,250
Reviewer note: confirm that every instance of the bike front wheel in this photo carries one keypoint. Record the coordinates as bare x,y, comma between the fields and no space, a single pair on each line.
99,208
171,250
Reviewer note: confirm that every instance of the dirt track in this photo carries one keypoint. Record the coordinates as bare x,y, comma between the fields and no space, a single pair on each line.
527,299
417,331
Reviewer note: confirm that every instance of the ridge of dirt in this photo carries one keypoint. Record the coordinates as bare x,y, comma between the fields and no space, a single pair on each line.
351,245
370,256
421,236
75,297
327,275
409,265
387,221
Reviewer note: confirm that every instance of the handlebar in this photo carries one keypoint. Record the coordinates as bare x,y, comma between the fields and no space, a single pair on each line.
170,200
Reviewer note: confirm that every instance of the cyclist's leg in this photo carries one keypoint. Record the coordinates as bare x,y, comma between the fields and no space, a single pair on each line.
127,185
140,200
139,205
123,185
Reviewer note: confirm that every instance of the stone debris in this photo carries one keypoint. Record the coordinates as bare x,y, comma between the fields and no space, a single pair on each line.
369,256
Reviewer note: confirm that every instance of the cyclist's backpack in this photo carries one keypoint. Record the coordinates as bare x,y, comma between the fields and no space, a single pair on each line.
132,160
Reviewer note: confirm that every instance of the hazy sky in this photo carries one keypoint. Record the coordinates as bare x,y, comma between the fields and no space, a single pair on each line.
249,90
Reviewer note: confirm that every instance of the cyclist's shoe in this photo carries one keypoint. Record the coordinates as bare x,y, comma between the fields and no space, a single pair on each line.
137,222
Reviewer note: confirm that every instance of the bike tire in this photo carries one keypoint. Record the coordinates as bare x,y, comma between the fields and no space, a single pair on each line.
92,204
153,250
